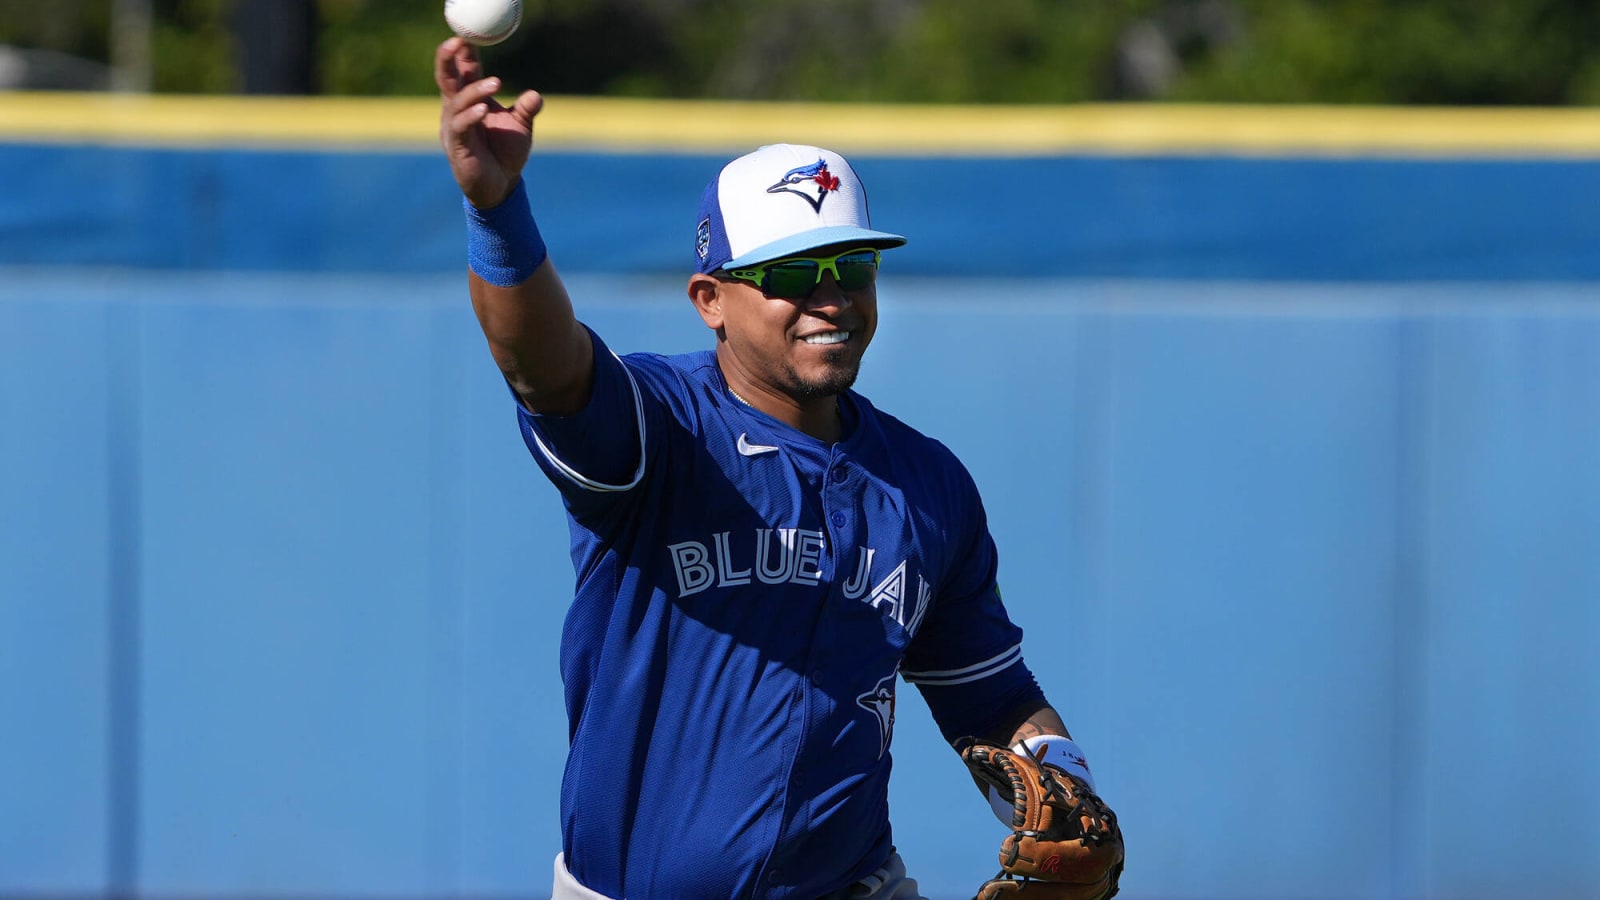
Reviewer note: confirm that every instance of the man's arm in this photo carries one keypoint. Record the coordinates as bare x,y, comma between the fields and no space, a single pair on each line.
545,355
1030,720
533,335
1034,719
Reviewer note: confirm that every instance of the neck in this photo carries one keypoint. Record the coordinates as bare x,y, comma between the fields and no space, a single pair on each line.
818,417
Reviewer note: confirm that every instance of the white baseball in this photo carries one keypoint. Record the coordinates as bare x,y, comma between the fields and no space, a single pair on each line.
483,22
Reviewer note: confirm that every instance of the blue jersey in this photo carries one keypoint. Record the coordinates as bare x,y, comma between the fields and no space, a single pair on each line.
746,596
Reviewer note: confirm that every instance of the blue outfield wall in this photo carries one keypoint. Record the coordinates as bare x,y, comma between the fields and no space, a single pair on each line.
1291,463
1338,219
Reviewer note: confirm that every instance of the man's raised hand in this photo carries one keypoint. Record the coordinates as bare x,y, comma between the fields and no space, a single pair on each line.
487,143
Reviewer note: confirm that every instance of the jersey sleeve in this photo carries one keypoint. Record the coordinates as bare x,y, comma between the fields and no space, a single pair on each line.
597,453
966,658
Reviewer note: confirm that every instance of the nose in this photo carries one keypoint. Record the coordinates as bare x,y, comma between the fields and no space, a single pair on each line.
827,295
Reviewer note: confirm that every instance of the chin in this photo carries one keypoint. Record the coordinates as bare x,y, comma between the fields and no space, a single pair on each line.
835,380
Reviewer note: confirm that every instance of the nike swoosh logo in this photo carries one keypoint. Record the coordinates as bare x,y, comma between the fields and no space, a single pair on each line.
748,449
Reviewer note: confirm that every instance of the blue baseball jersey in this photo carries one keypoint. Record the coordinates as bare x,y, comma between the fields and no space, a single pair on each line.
746,596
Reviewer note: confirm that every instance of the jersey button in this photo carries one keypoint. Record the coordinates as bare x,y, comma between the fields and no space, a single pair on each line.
837,519
840,472
816,677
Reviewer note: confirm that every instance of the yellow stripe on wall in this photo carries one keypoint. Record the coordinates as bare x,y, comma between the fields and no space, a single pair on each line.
625,125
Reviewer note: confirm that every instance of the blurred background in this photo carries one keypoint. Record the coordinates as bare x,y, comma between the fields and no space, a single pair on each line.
1269,330
1494,52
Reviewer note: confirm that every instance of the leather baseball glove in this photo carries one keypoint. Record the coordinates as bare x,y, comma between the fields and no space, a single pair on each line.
1064,842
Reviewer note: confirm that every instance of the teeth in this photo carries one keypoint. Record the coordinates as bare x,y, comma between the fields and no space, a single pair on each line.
828,337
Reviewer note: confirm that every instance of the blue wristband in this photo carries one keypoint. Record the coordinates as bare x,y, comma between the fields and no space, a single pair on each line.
503,243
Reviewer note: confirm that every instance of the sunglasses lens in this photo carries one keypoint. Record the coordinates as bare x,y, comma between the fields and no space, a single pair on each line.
857,270
792,279
795,279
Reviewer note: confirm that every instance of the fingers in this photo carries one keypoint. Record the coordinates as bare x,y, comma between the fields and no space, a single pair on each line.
467,107
455,65
458,124
527,106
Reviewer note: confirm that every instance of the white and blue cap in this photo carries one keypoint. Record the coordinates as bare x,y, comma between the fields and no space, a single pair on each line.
781,200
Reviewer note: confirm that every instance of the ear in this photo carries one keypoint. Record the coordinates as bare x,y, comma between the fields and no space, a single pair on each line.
705,293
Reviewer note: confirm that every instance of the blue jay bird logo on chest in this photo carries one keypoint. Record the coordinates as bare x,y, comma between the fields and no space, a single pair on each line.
811,183
880,702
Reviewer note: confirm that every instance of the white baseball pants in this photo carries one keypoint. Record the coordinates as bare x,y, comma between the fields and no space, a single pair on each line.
888,883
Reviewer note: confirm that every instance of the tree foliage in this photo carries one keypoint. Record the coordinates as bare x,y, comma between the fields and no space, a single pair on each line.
1527,52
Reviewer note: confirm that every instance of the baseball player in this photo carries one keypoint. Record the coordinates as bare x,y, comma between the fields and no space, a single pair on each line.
760,552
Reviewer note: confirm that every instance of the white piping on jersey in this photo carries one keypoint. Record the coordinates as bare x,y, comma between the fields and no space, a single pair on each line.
974,672
589,483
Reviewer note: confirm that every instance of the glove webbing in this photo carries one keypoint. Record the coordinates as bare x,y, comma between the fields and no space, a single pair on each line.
1084,807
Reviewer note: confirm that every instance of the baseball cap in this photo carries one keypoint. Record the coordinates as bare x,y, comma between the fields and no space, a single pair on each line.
781,200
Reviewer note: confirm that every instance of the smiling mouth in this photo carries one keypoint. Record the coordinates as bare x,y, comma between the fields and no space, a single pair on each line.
827,337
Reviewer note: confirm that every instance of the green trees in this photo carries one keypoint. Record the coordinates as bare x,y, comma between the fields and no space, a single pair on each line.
1532,52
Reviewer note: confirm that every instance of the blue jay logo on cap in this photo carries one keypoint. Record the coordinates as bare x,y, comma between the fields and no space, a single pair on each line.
802,181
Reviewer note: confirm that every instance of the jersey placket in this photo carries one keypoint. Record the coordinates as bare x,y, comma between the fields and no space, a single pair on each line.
840,526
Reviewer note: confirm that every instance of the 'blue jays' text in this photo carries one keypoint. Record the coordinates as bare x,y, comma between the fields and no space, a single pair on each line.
795,556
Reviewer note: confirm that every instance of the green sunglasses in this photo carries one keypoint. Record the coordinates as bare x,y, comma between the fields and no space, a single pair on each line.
795,277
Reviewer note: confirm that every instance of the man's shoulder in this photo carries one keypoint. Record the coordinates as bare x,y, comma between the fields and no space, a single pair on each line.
672,369
904,438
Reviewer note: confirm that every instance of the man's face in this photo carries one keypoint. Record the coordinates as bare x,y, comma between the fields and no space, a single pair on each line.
806,348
